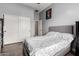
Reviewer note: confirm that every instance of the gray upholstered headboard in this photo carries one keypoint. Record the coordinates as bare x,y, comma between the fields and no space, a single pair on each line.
63,29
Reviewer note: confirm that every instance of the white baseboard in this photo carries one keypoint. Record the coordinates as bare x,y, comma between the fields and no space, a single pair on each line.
6,43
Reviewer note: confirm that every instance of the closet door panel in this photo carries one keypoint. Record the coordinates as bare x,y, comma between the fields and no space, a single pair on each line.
24,28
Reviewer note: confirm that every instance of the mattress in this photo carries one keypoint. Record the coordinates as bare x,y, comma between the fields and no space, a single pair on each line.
64,51
33,50
48,45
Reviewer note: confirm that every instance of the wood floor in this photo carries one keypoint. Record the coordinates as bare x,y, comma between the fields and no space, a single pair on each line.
16,50
13,50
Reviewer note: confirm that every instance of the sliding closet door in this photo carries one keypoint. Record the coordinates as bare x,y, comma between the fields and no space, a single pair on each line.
10,29
24,28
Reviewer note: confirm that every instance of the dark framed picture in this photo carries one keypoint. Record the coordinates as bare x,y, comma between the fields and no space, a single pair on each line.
49,14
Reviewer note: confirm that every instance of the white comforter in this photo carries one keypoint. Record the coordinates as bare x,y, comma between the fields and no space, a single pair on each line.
49,44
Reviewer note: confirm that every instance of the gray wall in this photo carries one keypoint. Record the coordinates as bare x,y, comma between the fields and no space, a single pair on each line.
62,14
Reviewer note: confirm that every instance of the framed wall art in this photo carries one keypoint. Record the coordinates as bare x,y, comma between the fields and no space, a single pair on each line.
49,14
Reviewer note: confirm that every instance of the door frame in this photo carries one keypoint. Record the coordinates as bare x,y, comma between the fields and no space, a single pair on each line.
2,33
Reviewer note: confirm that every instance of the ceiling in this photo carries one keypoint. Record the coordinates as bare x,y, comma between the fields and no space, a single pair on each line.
37,6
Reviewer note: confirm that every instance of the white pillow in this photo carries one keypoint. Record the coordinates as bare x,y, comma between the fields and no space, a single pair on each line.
51,33
67,36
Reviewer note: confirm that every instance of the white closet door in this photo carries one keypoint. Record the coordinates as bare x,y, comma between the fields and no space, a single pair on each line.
24,28
10,29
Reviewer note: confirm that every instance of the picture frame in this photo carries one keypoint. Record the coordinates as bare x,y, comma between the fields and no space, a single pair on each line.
49,14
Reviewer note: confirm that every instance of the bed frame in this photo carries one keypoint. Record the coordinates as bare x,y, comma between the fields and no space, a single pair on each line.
25,49
63,29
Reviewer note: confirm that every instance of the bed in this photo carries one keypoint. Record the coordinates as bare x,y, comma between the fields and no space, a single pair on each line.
54,43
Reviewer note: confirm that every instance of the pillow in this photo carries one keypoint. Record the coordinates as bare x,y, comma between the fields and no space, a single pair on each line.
67,36
51,33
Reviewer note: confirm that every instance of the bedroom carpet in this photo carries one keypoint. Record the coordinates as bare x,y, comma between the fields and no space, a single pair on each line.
16,50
